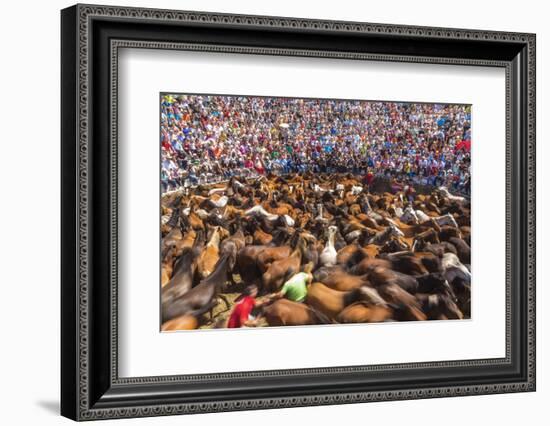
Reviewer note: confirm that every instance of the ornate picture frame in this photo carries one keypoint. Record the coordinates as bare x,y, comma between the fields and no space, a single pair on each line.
90,38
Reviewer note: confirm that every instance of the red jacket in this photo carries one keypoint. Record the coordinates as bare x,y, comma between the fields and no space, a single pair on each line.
241,312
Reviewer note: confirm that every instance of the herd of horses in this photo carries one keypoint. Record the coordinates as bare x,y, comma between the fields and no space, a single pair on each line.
374,257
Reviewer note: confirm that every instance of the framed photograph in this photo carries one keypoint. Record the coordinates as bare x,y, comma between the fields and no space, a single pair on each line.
263,212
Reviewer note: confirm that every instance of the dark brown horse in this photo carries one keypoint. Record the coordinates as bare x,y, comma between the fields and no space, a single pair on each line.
203,297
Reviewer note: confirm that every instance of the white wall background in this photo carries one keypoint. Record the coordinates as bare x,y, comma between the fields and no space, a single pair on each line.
30,228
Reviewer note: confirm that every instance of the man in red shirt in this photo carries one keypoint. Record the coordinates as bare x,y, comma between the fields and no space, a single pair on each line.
243,309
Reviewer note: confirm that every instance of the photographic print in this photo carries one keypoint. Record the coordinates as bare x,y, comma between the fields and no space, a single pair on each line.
298,186
281,211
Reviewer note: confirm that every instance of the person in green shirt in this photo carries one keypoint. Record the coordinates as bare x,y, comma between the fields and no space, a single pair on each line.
295,288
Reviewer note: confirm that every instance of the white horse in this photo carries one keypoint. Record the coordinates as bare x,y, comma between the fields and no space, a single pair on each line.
260,211
319,217
328,255
221,202
409,216
288,220
356,189
453,268
415,217
385,235
317,188
445,192
446,219
398,211
422,217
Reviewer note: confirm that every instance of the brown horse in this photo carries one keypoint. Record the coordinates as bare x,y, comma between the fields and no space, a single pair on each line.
361,312
184,322
328,301
210,255
202,298
285,312
282,269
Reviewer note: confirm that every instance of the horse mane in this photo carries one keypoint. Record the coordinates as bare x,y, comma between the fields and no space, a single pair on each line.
183,257
199,241
174,218
220,268
279,236
352,296
177,201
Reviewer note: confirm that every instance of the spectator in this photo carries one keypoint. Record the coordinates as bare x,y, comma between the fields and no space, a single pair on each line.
211,137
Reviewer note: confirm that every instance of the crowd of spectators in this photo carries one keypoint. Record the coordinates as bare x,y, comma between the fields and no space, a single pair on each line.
206,138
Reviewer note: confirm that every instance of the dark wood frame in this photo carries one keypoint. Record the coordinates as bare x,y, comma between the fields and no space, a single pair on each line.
91,37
